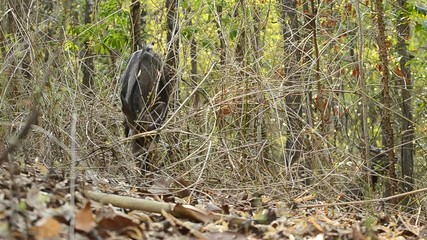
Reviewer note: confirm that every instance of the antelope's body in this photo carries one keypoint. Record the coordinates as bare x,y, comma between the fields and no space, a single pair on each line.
144,95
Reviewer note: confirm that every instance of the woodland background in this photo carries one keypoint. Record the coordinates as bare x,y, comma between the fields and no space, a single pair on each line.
287,97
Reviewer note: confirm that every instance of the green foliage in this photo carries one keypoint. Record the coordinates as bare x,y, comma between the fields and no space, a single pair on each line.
188,32
107,32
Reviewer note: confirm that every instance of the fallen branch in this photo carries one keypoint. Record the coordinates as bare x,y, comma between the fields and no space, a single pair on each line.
130,202
176,210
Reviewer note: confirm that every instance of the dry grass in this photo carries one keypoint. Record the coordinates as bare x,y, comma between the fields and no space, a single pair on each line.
231,139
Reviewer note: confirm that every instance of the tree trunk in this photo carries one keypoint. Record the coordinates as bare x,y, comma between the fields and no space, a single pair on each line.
87,64
293,82
407,146
172,47
360,74
222,48
388,134
172,35
194,71
259,124
135,14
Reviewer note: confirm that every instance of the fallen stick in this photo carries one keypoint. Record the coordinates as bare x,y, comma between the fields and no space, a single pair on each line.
176,210
130,202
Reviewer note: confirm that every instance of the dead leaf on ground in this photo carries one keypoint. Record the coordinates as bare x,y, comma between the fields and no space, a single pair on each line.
46,228
192,213
168,187
84,219
117,222
306,198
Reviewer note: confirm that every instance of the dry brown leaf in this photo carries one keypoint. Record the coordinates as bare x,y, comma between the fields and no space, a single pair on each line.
175,221
301,227
141,216
116,222
308,197
398,72
134,233
192,213
225,109
316,224
182,183
328,221
210,206
84,219
355,72
46,228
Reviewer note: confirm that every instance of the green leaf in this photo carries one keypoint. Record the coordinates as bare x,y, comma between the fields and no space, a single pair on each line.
22,205
421,107
370,222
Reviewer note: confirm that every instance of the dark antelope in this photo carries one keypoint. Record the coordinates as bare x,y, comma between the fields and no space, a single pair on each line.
144,96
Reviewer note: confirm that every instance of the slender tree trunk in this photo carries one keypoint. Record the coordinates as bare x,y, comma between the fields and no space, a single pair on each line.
259,124
193,53
135,13
194,71
241,38
87,63
323,107
222,48
293,82
172,47
222,57
172,35
257,21
407,146
172,62
386,121
360,74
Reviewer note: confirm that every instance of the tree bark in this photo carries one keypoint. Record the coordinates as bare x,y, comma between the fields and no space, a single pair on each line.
172,51
407,145
360,74
135,13
293,82
172,35
87,63
388,134
222,48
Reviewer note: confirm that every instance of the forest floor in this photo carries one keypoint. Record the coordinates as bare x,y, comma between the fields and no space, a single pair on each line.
37,204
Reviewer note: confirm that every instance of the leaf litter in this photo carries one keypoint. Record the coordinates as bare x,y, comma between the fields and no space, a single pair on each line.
37,206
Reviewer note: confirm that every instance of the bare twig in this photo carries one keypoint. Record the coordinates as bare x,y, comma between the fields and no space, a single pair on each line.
365,201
